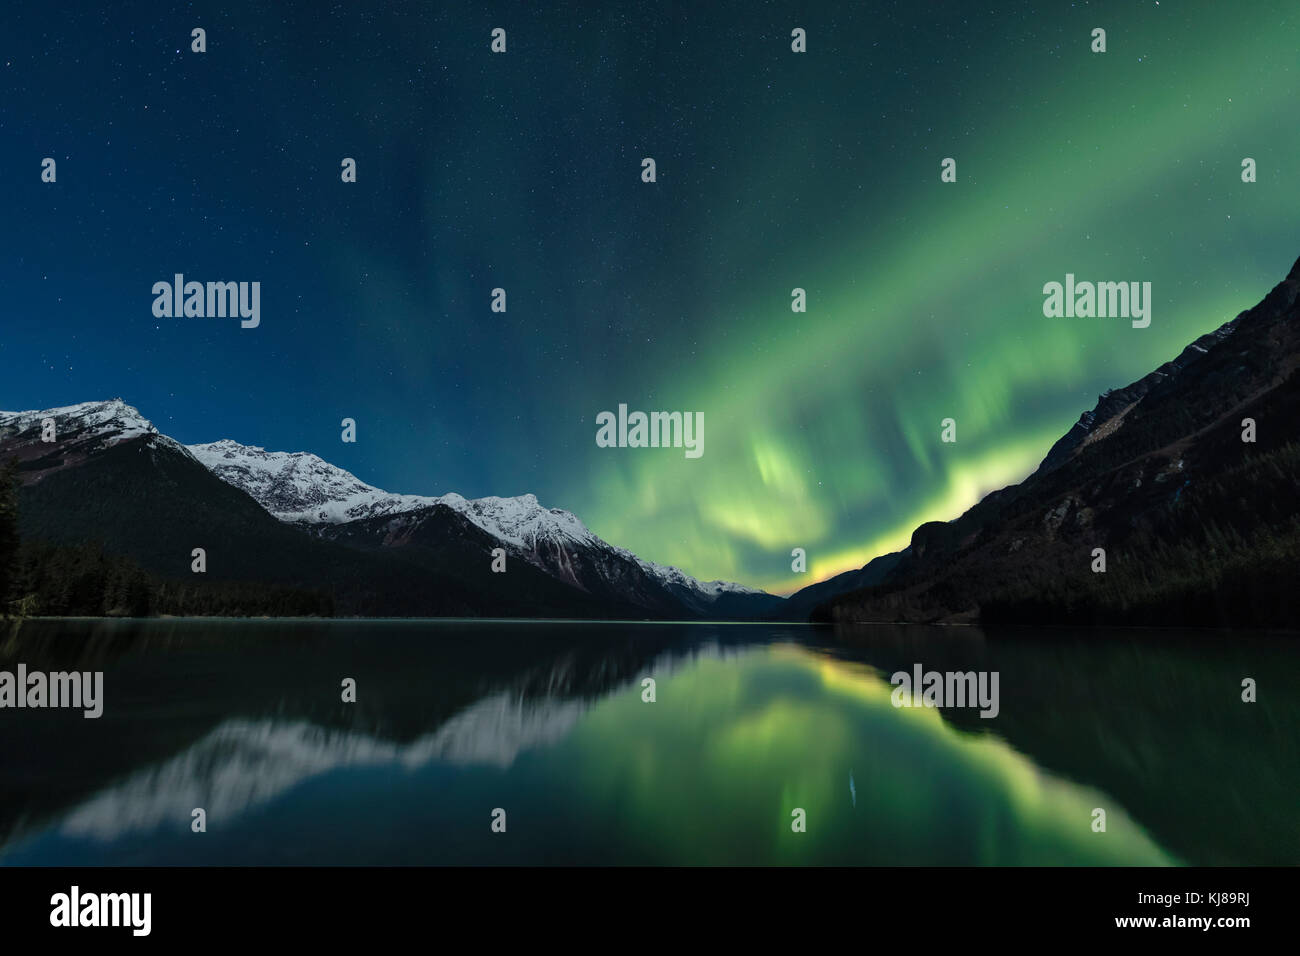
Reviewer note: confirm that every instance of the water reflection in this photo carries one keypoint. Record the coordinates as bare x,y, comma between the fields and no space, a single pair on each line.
548,720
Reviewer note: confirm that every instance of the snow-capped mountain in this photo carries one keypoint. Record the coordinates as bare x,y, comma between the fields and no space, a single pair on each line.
78,432
109,475
304,488
299,486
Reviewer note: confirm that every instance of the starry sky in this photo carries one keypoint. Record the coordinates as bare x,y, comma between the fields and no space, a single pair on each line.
522,170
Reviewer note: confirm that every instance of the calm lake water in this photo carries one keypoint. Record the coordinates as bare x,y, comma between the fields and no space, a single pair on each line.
546,721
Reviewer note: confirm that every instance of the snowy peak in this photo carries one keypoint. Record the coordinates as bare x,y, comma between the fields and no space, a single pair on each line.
110,418
83,428
522,521
302,487
707,589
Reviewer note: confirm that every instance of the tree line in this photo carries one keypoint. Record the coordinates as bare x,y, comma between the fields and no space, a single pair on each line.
40,579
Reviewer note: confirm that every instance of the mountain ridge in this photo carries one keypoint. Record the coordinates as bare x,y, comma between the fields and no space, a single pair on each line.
1200,524
448,537
329,494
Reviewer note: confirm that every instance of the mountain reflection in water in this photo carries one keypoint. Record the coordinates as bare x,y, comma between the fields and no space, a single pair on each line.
547,721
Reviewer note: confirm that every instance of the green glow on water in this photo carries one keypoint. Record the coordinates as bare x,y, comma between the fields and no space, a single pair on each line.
713,769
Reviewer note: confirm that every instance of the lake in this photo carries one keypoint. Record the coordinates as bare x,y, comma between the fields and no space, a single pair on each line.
756,732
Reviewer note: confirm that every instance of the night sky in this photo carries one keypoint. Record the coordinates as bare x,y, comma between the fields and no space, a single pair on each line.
522,170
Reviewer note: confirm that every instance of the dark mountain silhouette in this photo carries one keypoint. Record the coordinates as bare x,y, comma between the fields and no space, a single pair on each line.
1198,526
800,605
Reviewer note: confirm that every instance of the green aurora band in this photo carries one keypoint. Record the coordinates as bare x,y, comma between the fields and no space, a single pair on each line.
823,429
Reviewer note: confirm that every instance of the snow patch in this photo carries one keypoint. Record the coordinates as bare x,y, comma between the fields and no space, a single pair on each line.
302,487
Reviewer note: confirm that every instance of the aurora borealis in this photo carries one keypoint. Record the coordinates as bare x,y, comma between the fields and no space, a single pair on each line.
521,170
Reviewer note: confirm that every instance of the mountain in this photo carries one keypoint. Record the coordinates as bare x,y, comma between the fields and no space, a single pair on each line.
111,478
80,431
334,504
299,486
800,605
296,522
1197,525
482,699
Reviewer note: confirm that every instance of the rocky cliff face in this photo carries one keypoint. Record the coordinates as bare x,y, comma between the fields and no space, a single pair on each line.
1197,525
